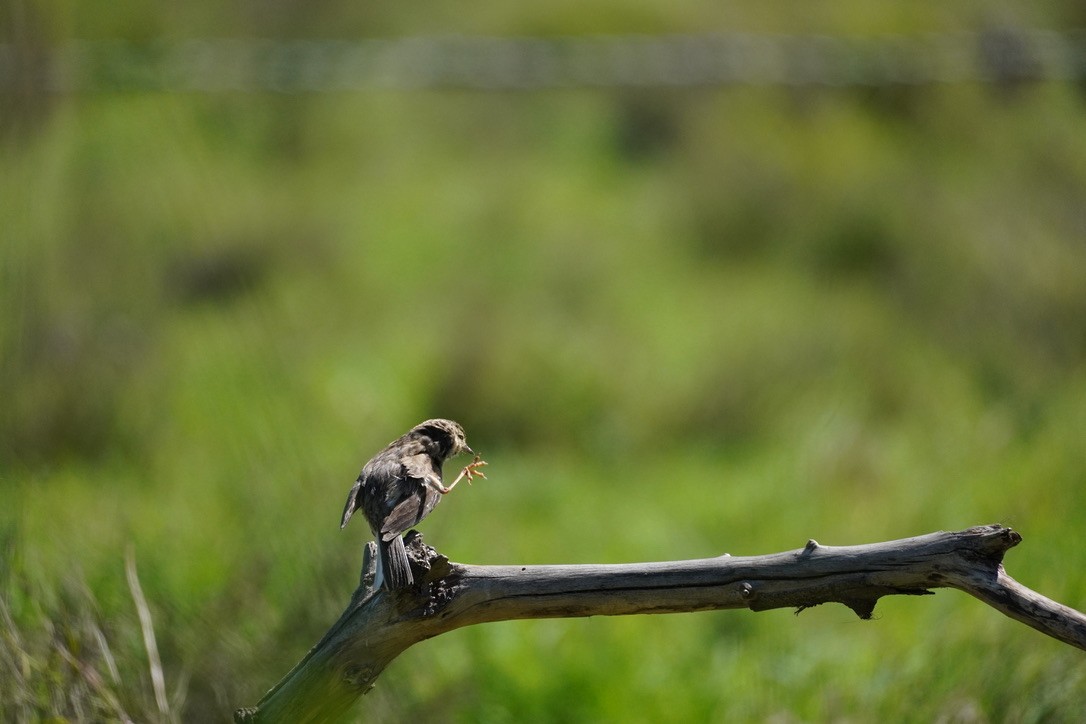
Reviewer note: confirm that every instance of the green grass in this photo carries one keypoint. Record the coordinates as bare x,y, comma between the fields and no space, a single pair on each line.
838,314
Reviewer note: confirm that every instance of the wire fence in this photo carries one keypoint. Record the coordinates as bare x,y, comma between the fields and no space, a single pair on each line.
1002,56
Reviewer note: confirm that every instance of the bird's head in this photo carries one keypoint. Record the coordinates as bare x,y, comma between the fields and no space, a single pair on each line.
446,436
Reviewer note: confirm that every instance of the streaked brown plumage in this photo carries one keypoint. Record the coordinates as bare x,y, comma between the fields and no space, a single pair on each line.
399,487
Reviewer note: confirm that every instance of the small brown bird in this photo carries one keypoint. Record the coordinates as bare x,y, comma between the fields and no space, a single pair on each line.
399,487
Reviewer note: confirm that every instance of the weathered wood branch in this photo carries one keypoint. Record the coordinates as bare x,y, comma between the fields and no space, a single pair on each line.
376,627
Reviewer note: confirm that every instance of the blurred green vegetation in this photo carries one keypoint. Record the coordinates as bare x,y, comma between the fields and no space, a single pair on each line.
677,323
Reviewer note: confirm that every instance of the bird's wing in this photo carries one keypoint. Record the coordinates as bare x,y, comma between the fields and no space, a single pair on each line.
421,467
419,470
352,502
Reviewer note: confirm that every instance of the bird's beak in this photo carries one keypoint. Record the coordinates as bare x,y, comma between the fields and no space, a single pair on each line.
468,450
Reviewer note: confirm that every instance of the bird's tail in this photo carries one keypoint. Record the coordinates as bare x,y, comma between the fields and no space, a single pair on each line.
394,564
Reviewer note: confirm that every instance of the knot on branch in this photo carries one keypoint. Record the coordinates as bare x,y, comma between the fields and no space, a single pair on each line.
988,543
862,607
426,563
361,678
245,714
997,538
435,584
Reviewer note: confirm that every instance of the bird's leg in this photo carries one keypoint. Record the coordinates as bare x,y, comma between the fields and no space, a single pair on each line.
470,471
436,485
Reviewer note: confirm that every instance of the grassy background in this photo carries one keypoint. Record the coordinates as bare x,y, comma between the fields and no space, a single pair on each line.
677,323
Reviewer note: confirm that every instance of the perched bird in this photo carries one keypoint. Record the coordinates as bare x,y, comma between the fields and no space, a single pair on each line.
399,487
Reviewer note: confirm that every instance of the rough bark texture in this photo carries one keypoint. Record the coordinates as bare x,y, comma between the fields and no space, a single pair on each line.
377,626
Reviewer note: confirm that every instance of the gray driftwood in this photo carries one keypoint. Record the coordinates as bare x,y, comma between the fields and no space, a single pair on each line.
377,626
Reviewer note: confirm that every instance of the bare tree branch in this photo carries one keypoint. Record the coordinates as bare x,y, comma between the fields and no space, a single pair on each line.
377,626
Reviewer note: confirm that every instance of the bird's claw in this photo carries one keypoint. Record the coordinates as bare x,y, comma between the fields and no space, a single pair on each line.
469,473
471,470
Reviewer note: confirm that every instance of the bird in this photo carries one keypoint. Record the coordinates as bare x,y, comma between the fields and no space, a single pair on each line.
399,487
